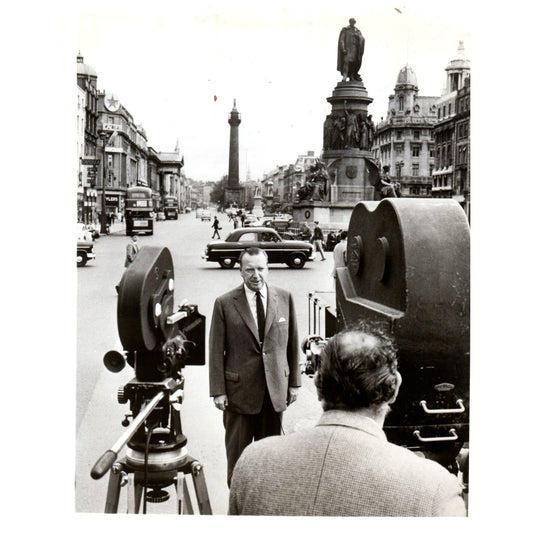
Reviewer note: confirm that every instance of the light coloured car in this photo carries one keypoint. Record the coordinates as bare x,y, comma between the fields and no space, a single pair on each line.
84,232
206,215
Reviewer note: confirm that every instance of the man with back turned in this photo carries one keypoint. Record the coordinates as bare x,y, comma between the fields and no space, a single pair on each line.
253,356
344,466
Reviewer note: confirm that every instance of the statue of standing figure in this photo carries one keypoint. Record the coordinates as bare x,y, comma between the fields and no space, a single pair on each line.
350,52
352,131
363,132
328,132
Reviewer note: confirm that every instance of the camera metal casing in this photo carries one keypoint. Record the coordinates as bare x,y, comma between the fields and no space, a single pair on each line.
408,265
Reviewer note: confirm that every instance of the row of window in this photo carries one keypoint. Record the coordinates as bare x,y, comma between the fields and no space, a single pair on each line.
463,130
399,134
441,111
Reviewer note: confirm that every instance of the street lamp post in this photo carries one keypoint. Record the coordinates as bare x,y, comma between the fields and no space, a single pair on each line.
104,135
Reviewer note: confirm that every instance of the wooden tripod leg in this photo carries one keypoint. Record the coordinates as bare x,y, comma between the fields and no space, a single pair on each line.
183,498
113,489
200,487
132,508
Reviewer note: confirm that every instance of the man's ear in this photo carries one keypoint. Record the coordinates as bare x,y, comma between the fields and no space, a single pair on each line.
318,384
397,388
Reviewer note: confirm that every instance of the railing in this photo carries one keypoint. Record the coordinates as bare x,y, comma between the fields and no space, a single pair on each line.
321,317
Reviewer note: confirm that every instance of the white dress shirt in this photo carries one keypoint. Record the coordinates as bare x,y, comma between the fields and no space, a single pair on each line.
252,301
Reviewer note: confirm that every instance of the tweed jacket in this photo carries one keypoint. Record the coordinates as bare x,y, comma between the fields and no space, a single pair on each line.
344,466
239,366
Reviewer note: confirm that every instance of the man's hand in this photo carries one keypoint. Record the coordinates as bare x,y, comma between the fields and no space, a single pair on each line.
221,401
293,394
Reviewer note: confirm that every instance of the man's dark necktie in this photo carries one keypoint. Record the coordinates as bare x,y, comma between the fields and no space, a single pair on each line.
260,316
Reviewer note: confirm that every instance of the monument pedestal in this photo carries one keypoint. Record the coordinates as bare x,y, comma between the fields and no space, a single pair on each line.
234,196
325,212
345,158
257,209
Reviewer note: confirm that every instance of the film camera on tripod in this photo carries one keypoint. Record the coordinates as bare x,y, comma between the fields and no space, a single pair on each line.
158,342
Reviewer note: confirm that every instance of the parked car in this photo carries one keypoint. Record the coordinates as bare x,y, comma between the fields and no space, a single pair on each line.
251,220
161,215
187,209
293,253
84,252
206,215
83,232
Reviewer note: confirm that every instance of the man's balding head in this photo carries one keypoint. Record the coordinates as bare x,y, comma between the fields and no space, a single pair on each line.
358,369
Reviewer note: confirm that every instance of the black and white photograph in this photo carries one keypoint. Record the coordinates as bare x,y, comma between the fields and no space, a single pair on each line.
273,310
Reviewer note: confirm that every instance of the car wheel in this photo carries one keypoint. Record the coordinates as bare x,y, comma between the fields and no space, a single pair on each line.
296,261
81,259
227,262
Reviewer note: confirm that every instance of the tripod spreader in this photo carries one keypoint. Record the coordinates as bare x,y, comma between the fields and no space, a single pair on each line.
110,456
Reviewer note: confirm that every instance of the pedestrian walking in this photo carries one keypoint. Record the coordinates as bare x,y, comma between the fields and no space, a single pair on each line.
317,240
253,356
339,255
132,249
216,227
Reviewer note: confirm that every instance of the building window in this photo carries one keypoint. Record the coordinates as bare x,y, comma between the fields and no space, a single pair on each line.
449,108
416,134
438,114
401,103
398,134
415,150
415,170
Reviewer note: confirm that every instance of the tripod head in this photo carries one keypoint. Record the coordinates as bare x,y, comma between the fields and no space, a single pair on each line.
158,342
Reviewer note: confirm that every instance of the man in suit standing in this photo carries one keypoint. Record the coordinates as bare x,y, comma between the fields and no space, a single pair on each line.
253,356
344,466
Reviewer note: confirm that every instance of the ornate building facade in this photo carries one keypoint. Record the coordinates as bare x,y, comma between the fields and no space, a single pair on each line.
404,140
87,115
451,174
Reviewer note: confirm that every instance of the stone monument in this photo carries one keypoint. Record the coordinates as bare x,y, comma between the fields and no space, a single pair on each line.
234,193
348,134
257,209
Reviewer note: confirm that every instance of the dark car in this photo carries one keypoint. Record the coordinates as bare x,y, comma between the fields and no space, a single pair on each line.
294,253
84,252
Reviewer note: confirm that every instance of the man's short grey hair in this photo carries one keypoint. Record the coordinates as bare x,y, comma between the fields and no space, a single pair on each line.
253,250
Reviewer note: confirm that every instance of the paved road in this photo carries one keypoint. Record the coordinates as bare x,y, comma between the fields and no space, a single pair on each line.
98,412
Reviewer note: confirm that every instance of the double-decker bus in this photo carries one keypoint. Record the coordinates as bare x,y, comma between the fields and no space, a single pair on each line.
139,211
170,207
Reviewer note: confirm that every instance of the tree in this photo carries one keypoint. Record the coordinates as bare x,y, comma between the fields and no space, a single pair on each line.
217,192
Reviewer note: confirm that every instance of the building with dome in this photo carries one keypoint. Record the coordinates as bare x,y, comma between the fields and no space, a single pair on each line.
404,140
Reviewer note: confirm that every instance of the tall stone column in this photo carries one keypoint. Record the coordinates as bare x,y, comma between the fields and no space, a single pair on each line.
234,192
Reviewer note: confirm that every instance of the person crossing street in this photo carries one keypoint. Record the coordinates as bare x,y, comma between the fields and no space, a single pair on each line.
318,240
216,227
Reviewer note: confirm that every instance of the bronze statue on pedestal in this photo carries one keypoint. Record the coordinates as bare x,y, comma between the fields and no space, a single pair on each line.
350,52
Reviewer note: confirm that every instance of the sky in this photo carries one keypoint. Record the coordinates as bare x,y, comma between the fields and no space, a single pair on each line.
178,69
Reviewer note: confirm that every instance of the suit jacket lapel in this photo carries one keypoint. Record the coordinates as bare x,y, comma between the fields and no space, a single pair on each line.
272,305
241,304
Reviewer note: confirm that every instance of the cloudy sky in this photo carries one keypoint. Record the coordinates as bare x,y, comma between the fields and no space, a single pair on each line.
177,70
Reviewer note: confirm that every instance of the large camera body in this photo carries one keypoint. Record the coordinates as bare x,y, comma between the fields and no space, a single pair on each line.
408,265
158,343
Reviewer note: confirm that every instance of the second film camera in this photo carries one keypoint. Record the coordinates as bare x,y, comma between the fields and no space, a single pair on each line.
158,342
408,267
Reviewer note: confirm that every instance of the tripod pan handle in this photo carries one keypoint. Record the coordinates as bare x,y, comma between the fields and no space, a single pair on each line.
103,464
